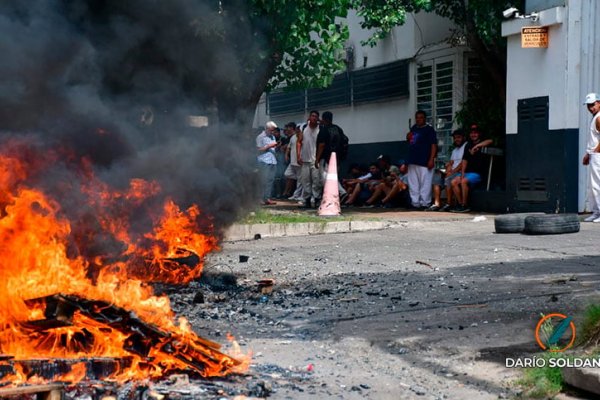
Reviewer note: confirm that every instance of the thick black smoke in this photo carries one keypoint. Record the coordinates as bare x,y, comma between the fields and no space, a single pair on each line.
112,83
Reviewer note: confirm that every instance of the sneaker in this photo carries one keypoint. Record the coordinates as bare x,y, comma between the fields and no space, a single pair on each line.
592,218
306,204
433,207
368,206
461,209
446,207
596,220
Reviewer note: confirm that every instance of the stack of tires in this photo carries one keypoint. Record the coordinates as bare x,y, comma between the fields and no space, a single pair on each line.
537,223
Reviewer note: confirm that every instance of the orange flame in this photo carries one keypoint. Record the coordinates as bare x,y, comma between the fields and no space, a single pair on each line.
43,252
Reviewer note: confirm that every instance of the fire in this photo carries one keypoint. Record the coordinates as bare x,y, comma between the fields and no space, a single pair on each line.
102,257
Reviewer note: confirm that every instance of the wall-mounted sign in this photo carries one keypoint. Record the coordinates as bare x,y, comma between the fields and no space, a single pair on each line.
534,36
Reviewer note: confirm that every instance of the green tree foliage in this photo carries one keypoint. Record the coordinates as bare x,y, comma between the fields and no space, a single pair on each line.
306,39
300,43
297,43
479,22
383,15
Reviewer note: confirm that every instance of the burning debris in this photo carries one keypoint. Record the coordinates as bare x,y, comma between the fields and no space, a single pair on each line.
140,338
112,314
105,189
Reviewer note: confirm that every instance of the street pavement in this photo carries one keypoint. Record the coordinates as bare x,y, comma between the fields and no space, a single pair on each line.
429,307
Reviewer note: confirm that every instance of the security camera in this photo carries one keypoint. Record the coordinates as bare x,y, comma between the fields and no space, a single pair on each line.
510,12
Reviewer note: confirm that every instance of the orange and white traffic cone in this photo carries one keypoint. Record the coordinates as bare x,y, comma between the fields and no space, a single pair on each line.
330,203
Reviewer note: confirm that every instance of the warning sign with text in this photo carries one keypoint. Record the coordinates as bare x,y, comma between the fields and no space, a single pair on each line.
534,37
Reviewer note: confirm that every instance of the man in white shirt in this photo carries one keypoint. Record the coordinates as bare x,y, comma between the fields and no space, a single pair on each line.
592,156
265,145
452,171
310,176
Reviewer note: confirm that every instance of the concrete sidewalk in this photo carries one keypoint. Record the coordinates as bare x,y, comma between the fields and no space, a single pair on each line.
358,220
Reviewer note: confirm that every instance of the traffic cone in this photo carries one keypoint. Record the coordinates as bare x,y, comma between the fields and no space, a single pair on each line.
330,203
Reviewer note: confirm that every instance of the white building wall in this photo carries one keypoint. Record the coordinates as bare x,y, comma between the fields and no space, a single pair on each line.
388,120
430,29
403,42
398,45
565,71
260,114
534,72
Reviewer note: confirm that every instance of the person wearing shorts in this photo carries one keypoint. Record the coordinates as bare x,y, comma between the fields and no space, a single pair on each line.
473,168
452,171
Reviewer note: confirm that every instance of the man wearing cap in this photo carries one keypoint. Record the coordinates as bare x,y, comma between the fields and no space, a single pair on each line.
266,144
472,169
384,162
592,156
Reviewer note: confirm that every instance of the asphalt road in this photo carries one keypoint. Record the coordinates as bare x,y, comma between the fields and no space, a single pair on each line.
425,310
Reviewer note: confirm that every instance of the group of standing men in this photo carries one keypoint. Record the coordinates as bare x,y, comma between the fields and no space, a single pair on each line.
308,152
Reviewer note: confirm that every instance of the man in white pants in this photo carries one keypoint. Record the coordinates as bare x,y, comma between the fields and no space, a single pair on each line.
592,156
422,149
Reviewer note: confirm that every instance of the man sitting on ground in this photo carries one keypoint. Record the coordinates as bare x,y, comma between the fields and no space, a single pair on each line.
393,189
399,196
364,187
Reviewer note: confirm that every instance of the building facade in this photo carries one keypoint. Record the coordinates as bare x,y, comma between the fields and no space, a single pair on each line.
422,64
546,123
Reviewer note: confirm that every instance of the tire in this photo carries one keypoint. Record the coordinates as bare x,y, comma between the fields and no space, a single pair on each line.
551,224
512,223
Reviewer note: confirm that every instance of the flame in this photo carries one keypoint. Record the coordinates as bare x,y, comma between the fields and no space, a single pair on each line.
45,251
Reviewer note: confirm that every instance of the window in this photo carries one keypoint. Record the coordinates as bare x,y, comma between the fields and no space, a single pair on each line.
337,94
435,96
282,102
382,82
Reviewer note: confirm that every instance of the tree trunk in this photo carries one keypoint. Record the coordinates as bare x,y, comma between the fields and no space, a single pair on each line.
493,63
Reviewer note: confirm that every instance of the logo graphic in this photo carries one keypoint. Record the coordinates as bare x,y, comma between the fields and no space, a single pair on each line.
550,330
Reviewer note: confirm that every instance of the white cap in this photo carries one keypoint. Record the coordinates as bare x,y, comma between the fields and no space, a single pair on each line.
591,98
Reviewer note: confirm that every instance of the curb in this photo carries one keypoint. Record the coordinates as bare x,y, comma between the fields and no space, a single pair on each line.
587,379
249,232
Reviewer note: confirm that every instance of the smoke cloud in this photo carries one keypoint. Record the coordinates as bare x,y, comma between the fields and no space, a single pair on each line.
105,87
